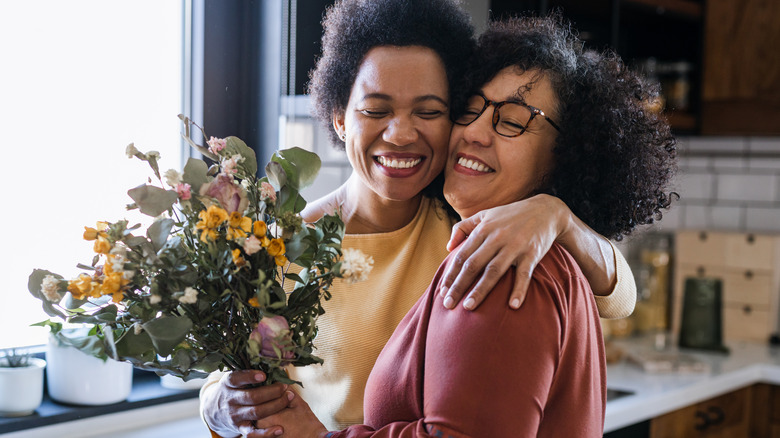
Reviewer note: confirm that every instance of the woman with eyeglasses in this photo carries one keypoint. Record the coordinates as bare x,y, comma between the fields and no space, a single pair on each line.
545,116
383,85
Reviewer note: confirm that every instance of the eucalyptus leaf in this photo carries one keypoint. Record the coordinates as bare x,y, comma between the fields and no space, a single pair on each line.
276,175
236,146
152,200
167,332
195,174
131,344
306,166
159,231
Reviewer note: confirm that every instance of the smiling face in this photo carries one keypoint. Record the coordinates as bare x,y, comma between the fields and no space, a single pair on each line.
397,121
485,169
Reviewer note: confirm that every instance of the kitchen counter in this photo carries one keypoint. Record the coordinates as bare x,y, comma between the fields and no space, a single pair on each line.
651,394
654,394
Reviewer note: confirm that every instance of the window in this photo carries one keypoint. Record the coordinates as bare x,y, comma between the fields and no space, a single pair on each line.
81,79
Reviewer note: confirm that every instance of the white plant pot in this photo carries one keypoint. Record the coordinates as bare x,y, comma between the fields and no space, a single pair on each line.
21,388
173,382
77,378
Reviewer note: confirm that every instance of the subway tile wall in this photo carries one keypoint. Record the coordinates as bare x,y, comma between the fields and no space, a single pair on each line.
725,183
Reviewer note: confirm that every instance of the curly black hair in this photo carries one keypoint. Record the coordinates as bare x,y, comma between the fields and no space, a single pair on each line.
614,156
353,27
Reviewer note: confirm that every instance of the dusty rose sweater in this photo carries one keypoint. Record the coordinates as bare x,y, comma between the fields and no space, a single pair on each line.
495,372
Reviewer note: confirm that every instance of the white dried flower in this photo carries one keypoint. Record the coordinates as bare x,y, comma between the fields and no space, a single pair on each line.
153,155
137,328
172,177
50,288
131,151
355,265
155,299
190,296
252,244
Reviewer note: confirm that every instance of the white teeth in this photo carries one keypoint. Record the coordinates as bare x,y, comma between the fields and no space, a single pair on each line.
396,163
473,165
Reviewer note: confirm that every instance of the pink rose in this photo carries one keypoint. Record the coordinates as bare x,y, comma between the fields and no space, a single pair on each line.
267,191
184,191
231,196
273,331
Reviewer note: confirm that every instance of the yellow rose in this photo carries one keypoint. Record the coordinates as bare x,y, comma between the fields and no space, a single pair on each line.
259,228
238,226
254,302
237,259
210,220
102,245
93,233
280,260
276,247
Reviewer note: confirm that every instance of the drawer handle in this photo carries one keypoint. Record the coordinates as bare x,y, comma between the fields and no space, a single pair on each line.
702,420
749,274
751,238
747,309
716,415
702,236
701,271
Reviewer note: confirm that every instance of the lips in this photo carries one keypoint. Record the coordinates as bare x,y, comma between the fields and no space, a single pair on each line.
474,165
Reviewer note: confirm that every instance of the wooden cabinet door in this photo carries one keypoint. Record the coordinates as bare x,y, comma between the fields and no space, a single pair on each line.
741,74
726,416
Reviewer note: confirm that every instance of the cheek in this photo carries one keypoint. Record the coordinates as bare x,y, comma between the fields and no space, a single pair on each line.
439,140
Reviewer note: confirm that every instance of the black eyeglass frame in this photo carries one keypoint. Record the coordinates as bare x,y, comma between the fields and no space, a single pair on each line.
497,106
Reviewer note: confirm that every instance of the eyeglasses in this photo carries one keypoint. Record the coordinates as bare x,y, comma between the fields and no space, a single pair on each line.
510,118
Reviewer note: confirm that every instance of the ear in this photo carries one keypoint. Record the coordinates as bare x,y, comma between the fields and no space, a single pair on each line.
338,125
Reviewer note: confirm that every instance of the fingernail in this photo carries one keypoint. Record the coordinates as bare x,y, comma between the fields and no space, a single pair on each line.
278,432
443,291
469,303
290,395
284,387
449,302
260,377
515,304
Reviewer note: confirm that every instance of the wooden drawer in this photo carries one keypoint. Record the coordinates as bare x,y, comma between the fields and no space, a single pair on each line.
750,251
746,323
724,416
700,248
744,286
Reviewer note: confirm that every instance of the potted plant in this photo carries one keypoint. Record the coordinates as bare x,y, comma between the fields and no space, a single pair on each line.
75,352
21,383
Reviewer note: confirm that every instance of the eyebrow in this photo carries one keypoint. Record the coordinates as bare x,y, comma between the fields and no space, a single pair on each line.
418,99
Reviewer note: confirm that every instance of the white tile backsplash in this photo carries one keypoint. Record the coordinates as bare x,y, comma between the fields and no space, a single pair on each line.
764,144
716,144
697,216
746,187
763,219
696,185
726,218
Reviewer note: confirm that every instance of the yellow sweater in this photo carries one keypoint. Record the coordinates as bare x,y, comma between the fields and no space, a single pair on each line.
361,317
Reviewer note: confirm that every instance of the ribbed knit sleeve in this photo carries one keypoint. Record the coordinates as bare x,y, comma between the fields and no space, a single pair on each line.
621,301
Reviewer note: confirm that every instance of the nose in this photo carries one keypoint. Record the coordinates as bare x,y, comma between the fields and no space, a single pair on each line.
480,131
400,131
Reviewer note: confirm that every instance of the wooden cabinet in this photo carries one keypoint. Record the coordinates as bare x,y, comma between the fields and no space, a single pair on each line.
748,412
719,56
741,81
748,265
726,416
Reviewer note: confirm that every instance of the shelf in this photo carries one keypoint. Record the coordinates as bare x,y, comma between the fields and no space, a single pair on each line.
684,8
681,121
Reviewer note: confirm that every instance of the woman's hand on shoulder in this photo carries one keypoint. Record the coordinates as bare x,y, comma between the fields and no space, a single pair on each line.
492,240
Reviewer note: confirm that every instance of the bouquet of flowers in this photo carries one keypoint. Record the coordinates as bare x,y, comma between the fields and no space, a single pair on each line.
226,277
